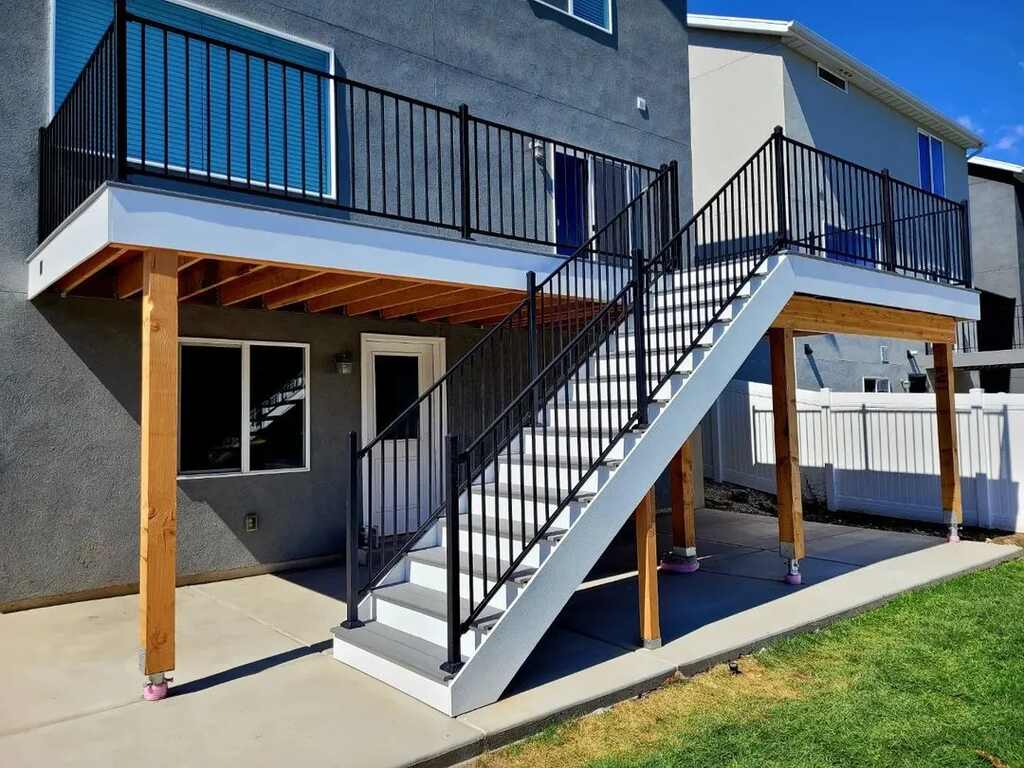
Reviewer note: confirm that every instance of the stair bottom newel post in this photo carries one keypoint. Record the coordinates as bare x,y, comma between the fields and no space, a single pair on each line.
352,524
454,612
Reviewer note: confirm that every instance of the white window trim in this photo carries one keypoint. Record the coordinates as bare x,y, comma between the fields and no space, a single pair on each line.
920,182
246,345
569,12
876,379
241,21
846,83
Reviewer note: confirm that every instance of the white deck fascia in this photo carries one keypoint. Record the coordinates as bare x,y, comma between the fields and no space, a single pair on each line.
153,218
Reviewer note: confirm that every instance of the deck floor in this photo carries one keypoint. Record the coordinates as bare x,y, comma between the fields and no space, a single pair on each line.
256,682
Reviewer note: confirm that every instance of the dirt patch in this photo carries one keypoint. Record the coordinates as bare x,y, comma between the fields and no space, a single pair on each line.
737,498
639,724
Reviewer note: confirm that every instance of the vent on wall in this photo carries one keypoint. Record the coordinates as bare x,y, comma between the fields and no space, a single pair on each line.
832,78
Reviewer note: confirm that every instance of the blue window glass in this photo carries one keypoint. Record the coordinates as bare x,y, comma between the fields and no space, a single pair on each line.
924,161
930,158
850,247
938,168
222,106
594,11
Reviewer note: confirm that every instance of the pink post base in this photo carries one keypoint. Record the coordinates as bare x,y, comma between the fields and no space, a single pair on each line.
680,566
795,579
954,534
155,691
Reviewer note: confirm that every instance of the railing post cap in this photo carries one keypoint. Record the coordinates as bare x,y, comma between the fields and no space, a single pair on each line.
777,130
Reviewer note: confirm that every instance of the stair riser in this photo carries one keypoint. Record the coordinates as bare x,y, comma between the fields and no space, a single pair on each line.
554,477
625,364
430,628
566,445
669,315
604,392
708,276
491,508
672,340
433,577
533,558
597,418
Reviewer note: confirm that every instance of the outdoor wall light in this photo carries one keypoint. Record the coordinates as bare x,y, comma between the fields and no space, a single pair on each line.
343,362
539,151
641,104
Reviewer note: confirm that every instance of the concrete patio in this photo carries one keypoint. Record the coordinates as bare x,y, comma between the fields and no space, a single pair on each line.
256,683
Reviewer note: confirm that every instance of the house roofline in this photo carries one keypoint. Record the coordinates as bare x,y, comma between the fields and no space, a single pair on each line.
812,45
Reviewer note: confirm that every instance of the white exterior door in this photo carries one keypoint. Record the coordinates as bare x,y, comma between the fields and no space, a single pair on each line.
402,480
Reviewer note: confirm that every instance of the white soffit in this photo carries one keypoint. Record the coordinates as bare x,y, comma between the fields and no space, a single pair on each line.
812,45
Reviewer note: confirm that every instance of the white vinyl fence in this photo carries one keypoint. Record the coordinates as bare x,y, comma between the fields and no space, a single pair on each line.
876,453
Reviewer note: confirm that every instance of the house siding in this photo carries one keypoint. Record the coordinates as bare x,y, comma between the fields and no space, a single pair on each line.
69,368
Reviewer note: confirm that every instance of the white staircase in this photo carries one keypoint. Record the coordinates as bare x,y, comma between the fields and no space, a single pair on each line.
403,638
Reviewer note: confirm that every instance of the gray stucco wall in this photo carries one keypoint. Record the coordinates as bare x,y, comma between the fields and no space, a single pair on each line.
858,127
69,368
839,362
997,237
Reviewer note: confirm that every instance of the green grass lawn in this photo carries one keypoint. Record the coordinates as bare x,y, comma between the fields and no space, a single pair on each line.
934,678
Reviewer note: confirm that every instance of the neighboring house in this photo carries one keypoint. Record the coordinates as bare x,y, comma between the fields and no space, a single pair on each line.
411,286
990,352
748,75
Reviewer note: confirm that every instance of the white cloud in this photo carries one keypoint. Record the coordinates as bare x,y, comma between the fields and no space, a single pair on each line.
1010,138
969,124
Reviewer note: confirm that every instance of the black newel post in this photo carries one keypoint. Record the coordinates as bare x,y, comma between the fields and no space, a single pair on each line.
121,79
454,602
888,225
464,168
781,188
352,525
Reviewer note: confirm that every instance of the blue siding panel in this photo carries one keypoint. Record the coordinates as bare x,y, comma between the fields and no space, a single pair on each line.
187,118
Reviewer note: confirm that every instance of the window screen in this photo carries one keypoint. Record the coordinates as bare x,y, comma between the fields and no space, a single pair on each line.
931,162
596,12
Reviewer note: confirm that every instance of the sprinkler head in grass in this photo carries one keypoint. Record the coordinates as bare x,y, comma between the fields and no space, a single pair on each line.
734,667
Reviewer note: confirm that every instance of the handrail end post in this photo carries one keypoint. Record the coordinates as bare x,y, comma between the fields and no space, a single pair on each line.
640,339
465,228
454,603
352,538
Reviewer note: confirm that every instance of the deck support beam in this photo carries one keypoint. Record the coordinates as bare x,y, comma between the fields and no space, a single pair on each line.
158,468
787,455
647,570
949,460
683,556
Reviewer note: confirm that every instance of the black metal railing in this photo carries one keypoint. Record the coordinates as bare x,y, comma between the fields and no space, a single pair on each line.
615,322
850,213
981,336
402,477
165,102
78,149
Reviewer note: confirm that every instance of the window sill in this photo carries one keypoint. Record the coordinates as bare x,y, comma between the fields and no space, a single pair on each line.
254,473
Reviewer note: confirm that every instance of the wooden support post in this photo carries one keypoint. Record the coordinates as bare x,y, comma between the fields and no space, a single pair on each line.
949,462
787,455
647,568
683,557
158,471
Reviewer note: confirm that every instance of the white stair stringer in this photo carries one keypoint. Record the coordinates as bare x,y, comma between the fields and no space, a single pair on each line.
484,677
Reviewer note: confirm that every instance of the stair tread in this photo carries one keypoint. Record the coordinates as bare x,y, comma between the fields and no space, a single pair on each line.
502,524
431,602
409,651
505,490
438,556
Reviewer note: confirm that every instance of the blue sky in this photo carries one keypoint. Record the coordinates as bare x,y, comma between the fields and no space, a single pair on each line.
964,57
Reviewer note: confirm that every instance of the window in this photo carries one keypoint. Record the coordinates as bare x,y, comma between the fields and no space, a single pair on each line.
396,381
273,111
596,13
883,353
876,384
832,78
930,159
243,407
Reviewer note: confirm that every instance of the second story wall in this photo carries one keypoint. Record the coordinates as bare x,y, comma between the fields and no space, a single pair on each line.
997,236
858,127
735,101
